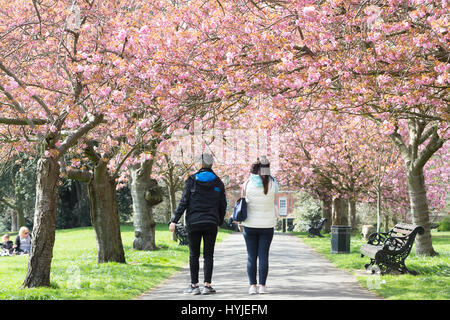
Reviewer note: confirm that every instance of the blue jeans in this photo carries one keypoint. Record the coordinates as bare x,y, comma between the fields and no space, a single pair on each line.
258,242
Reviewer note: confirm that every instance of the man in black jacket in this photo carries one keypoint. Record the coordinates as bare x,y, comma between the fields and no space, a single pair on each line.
205,203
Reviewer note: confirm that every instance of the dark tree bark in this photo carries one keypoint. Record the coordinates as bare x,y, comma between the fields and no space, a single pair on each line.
81,208
340,212
103,207
13,220
143,190
173,207
20,217
352,207
415,161
105,215
48,169
386,222
419,209
327,205
43,235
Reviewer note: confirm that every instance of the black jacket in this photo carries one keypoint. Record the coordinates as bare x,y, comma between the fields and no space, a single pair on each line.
8,246
203,199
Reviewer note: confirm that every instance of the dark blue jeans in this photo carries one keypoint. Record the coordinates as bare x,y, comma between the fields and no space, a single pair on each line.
258,242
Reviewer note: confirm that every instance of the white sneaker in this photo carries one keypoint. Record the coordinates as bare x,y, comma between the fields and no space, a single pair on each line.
262,290
253,290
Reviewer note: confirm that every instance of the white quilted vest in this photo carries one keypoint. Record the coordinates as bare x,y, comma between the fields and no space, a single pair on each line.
260,207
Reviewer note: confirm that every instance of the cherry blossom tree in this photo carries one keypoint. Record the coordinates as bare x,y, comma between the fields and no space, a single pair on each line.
384,61
69,67
340,160
44,96
398,76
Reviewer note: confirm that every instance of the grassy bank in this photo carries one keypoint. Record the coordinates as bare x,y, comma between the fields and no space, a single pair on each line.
76,274
432,283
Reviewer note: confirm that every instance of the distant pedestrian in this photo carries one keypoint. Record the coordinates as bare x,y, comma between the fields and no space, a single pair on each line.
205,204
259,190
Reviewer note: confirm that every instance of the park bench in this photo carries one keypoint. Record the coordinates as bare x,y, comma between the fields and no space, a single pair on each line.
388,251
315,228
182,234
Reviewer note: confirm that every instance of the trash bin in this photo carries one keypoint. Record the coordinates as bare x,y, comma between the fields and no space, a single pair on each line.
340,239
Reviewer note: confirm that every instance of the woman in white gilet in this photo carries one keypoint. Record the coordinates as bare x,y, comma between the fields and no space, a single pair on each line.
259,191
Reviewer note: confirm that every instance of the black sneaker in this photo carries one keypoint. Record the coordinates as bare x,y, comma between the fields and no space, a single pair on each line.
192,289
208,290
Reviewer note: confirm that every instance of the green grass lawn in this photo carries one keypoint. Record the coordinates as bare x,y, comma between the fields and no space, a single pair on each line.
432,283
76,274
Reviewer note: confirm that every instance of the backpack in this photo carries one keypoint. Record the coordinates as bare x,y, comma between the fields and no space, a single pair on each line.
240,207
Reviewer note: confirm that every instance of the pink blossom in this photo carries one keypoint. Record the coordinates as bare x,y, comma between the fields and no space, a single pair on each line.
104,91
122,35
309,10
12,84
387,127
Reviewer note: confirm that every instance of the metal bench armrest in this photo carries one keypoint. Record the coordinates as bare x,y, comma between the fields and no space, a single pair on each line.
378,238
395,243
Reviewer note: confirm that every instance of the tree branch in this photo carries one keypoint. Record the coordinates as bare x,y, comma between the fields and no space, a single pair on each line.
35,97
89,151
71,140
427,134
80,175
434,145
15,104
398,141
23,122
39,17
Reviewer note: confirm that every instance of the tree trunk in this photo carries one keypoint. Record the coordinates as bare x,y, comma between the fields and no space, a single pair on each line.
386,222
340,212
43,235
13,220
173,207
378,210
82,205
20,217
327,205
419,209
415,159
352,205
173,201
144,224
105,215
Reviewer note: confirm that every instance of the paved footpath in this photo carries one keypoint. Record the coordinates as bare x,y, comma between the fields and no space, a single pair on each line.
295,272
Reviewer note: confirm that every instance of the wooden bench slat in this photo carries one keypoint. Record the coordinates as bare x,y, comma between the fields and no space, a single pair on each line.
406,226
370,250
373,248
406,232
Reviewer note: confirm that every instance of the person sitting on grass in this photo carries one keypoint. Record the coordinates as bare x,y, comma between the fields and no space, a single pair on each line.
22,245
7,244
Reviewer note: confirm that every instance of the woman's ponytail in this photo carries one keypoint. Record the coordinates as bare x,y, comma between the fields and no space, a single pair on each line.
265,181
